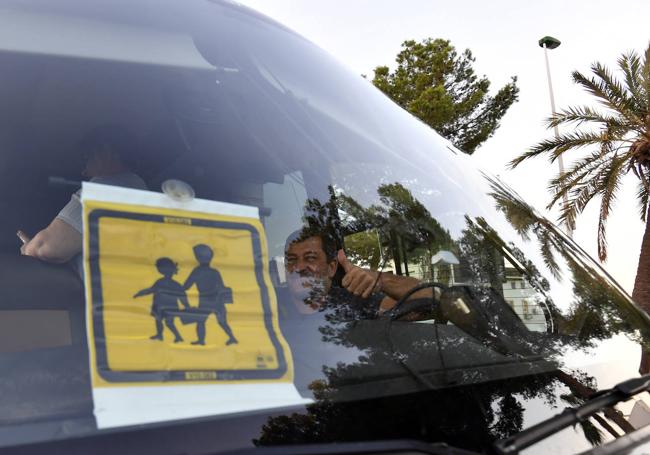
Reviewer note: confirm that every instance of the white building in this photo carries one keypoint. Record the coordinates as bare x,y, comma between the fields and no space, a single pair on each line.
524,299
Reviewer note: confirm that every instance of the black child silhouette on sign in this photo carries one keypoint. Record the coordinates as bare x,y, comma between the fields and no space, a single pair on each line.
166,295
211,294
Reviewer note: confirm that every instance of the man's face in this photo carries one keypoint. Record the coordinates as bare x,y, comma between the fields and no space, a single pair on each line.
309,273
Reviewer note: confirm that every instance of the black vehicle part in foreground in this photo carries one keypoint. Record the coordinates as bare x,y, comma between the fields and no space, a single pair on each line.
572,416
405,447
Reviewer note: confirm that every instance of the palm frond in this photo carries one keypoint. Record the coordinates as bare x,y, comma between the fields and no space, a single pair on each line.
631,66
557,146
574,176
608,95
585,114
615,90
591,432
642,194
577,199
524,156
568,141
581,193
645,76
518,213
641,173
546,248
609,187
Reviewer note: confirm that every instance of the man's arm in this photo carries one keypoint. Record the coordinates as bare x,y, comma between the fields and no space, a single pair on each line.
396,286
57,243
364,282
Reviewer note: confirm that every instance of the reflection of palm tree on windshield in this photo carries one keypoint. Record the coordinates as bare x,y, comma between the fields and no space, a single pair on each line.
598,310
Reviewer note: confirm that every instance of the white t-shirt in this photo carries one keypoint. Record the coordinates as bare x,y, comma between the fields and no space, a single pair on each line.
71,214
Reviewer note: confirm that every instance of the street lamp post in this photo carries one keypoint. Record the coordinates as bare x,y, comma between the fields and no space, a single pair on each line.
548,42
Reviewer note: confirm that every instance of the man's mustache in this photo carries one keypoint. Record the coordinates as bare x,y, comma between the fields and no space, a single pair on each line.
302,274
306,277
311,281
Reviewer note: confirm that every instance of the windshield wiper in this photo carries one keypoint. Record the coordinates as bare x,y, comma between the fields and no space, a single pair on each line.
571,416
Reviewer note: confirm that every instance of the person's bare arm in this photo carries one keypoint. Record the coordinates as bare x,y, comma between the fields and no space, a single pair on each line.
365,282
57,243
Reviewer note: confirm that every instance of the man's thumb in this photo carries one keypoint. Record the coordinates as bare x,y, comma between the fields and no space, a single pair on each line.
343,260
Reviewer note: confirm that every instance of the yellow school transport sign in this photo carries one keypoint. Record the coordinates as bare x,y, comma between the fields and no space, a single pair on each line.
178,293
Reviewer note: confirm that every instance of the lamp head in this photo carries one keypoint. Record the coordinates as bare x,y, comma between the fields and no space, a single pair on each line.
549,42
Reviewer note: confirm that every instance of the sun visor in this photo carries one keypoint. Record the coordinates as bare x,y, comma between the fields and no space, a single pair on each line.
74,37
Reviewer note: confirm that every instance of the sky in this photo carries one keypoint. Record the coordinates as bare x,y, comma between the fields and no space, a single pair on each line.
503,36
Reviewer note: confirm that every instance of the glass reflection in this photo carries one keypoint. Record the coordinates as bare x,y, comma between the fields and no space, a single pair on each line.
484,335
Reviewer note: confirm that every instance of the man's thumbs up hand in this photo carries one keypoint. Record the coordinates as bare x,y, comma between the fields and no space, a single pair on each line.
358,281
344,262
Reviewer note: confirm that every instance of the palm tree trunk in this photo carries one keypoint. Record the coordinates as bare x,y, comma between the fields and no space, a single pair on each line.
641,291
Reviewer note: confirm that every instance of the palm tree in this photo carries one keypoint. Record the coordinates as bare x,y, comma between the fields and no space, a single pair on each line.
618,131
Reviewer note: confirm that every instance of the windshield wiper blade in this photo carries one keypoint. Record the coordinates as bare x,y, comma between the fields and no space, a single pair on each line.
571,416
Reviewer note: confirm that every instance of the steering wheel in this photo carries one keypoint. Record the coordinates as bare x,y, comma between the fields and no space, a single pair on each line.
420,305
405,306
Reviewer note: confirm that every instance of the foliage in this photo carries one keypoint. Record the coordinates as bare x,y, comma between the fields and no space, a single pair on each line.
439,86
401,224
363,249
360,388
409,218
617,131
599,311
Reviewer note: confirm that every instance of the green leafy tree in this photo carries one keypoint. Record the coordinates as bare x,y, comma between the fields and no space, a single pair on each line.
364,249
401,224
439,86
618,132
